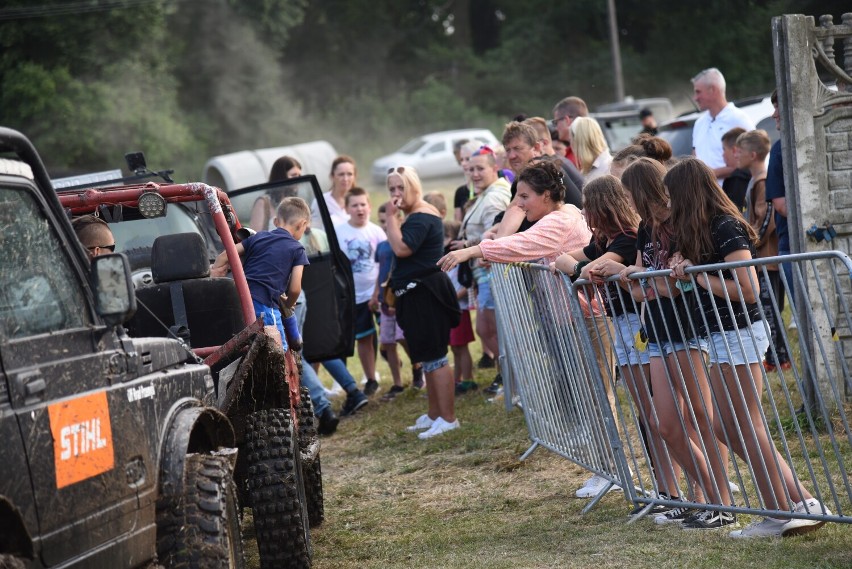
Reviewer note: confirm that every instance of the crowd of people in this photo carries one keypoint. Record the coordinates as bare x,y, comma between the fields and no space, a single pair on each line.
553,193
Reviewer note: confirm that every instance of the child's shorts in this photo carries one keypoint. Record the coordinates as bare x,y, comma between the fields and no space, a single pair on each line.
668,348
462,335
627,325
739,347
389,330
364,322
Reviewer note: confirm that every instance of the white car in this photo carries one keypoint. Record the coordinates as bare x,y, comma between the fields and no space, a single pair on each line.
431,154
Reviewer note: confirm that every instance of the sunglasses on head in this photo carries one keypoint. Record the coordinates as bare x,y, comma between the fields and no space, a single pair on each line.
398,170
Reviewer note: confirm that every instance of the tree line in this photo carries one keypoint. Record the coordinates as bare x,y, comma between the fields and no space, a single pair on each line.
183,80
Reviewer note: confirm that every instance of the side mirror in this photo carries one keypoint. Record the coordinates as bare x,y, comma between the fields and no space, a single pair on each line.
115,300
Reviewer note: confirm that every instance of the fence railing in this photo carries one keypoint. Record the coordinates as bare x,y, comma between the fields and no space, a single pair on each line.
685,428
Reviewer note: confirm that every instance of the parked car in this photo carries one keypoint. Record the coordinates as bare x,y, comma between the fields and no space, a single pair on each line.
678,132
431,154
620,122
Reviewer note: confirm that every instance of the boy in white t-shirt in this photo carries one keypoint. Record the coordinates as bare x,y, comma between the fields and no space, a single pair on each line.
359,238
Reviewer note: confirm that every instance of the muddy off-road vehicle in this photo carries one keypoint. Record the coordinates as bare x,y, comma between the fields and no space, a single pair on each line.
110,457
150,418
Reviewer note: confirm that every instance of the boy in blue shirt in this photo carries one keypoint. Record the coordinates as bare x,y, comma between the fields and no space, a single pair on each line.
273,262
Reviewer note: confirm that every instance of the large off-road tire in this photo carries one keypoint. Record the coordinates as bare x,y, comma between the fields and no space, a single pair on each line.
200,529
311,471
276,490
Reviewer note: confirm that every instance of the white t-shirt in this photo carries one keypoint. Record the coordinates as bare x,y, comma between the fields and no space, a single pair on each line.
359,244
708,131
337,213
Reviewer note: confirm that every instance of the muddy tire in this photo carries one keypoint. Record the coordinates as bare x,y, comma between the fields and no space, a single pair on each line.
311,472
277,492
201,527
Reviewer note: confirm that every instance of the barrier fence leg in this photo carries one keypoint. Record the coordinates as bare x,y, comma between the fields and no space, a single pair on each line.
528,452
597,498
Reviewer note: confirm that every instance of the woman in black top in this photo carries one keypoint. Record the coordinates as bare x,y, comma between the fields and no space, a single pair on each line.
426,304
712,230
680,387
608,210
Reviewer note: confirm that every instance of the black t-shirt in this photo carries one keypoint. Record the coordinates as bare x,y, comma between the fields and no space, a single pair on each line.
625,247
666,319
424,235
461,196
729,235
735,187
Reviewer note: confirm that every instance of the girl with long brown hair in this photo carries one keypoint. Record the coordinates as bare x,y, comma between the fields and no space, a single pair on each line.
711,230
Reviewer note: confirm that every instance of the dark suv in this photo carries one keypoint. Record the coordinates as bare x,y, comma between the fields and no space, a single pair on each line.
110,456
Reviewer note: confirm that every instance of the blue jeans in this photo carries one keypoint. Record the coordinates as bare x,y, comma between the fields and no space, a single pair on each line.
309,376
337,369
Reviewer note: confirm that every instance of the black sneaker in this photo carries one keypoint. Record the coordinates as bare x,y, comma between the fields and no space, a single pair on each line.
708,519
495,386
371,387
418,377
354,401
391,393
327,422
674,516
466,387
656,509
485,362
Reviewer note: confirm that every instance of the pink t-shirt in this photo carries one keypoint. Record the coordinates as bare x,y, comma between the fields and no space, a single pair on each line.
557,232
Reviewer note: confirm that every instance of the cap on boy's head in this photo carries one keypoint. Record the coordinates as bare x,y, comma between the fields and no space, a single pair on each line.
645,113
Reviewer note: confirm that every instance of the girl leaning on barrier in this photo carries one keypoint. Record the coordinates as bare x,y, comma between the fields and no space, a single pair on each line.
614,222
683,414
709,229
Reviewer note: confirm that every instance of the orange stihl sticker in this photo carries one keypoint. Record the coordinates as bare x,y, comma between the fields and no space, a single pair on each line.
82,438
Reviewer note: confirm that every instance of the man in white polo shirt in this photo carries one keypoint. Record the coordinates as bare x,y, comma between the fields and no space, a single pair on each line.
719,117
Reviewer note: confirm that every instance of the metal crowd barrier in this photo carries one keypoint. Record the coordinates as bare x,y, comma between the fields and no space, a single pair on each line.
545,347
804,408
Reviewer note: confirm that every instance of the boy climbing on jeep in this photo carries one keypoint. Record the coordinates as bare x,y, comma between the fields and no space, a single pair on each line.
273,262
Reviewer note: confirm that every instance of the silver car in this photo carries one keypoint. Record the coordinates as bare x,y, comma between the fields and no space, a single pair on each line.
431,154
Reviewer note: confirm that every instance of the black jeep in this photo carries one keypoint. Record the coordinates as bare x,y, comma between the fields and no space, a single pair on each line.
110,456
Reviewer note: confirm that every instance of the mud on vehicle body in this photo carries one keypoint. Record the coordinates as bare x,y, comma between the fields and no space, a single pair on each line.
104,436
255,383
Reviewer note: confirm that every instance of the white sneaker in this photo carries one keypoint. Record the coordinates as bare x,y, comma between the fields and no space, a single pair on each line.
799,526
768,527
422,423
439,427
594,486
733,488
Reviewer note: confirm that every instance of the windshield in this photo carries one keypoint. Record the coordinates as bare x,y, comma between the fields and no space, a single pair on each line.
620,132
142,232
412,146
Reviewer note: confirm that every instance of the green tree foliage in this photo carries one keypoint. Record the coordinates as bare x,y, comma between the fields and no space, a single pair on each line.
183,81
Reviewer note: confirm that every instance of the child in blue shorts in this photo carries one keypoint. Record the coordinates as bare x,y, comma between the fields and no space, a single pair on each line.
273,262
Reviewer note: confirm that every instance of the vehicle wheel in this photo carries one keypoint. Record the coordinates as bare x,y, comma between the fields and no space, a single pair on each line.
311,472
201,527
277,491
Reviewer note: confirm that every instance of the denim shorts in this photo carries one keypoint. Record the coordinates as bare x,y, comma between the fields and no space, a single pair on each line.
668,348
626,353
429,367
744,346
484,299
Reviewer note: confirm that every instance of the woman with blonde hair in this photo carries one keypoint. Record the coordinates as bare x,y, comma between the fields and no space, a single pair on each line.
424,297
589,144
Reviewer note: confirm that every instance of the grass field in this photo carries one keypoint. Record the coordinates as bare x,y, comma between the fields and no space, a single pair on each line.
463,500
